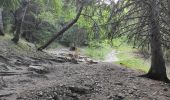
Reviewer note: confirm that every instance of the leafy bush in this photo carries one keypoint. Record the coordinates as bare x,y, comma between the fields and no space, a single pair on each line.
75,35
127,56
98,50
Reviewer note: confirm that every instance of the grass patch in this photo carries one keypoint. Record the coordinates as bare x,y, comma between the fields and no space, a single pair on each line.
126,54
22,48
128,58
131,61
98,51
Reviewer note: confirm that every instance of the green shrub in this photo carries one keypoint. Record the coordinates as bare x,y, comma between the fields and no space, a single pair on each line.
127,55
98,50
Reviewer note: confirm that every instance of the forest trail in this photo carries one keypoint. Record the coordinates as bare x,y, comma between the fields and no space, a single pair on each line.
111,57
29,72
56,78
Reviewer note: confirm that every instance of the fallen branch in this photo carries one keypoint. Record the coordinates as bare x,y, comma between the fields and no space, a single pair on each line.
13,73
6,95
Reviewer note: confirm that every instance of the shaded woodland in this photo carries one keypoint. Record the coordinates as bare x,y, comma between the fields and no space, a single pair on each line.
143,24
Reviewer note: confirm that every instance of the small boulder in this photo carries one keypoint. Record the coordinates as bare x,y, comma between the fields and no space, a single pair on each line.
38,69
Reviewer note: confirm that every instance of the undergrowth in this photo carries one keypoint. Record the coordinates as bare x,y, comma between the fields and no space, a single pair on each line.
126,53
98,50
128,57
22,48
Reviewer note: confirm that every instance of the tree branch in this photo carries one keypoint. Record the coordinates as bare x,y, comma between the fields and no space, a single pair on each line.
64,29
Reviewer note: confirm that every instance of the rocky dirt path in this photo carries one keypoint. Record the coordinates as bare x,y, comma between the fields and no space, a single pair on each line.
101,81
65,80
110,57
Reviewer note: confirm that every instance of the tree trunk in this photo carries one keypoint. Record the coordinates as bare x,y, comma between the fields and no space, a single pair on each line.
19,22
168,1
18,32
157,70
64,29
1,22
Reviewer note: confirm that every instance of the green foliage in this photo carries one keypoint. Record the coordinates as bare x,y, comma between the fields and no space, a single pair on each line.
45,32
76,35
128,56
98,50
53,14
22,45
47,16
53,5
68,14
121,44
57,5
9,4
56,14
133,62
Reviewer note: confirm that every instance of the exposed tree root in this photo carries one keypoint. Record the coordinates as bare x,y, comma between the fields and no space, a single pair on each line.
153,77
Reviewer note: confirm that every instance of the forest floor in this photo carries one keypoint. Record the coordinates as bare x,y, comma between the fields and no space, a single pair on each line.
25,76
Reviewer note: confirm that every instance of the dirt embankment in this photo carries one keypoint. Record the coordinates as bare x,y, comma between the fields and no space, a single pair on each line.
55,78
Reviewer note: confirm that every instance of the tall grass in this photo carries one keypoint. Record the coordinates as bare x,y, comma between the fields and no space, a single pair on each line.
127,56
97,50
126,53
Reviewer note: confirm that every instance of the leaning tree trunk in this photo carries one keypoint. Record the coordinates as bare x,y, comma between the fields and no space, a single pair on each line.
64,29
157,70
1,22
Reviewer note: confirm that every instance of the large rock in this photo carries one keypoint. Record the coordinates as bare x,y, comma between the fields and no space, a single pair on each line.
38,69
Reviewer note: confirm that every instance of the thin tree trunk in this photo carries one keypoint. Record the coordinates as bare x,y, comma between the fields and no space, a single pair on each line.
168,1
64,29
157,70
1,22
17,33
13,28
19,25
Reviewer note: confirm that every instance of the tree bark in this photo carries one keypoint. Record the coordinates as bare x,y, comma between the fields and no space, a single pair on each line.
18,32
19,22
158,69
1,22
64,29
168,6
168,2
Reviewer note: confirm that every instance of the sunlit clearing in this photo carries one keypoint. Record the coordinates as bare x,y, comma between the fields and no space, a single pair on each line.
109,1
116,1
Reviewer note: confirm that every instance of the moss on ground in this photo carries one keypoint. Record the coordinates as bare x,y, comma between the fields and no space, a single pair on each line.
22,48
